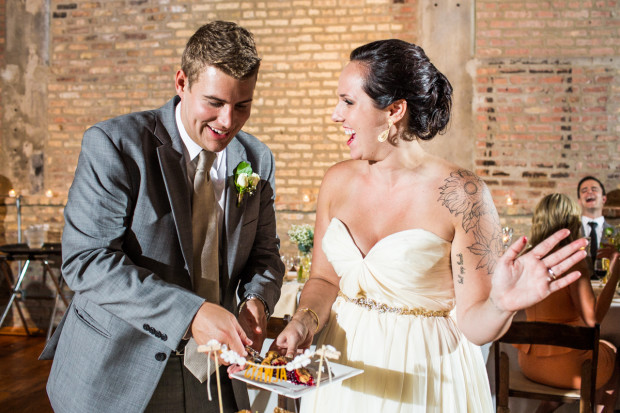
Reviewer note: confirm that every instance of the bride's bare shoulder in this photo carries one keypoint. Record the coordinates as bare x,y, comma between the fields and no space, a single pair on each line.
442,170
343,171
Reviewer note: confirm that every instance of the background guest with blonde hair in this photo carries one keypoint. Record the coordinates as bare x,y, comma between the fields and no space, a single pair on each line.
575,305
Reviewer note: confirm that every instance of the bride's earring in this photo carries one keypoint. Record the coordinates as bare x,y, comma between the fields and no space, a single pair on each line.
384,135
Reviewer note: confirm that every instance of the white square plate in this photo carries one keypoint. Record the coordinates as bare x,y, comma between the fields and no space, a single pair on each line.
294,391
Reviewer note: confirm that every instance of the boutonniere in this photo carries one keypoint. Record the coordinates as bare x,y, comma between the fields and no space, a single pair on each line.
245,180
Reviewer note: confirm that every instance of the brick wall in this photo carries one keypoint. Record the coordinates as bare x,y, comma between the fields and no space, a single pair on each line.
546,99
3,180
545,89
114,57
109,58
2,53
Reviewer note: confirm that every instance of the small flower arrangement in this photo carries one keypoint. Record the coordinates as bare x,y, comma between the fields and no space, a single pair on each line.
246,180
303,236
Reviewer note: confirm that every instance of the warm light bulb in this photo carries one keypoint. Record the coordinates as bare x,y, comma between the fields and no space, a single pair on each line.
49,193
306,198
12,193
509,200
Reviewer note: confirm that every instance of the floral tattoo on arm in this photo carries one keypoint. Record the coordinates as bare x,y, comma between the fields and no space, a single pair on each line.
463,194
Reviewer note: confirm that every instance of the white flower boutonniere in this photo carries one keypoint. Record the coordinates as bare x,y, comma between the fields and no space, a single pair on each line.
245,180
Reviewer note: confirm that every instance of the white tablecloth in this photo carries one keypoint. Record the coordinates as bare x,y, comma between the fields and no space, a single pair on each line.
289,298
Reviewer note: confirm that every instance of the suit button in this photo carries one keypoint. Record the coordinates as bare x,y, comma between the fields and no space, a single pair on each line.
164,337
146,327
160,356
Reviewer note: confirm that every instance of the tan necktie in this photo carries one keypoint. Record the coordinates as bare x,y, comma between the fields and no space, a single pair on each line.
205,233
206,254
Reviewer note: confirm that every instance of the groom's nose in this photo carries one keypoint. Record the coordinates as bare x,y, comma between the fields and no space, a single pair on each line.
225,116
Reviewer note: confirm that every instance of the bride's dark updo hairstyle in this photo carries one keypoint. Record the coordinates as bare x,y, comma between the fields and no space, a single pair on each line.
400,70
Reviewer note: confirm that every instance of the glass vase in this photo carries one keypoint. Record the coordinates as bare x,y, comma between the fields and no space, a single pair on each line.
305,261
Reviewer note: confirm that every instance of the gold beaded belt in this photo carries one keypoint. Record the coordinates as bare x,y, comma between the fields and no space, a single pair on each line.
371,304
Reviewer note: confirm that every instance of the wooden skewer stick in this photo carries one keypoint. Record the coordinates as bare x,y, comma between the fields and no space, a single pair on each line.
219,387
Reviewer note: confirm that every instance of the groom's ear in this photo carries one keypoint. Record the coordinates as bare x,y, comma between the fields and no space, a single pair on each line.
181,82
398,110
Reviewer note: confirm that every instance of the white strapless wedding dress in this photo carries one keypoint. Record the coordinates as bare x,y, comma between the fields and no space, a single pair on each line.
411,363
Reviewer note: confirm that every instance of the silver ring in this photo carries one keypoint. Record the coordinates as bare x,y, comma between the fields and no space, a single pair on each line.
552,276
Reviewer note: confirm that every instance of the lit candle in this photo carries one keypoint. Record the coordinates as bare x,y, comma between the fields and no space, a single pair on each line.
12,193
509,200
49,193
306,198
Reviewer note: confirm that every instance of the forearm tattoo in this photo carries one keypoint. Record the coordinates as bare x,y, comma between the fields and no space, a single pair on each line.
463,194
461,268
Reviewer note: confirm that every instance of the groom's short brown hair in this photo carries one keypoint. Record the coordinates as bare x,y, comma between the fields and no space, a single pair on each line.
224,45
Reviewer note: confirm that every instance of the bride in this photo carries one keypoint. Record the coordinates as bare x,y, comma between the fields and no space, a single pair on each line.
404,238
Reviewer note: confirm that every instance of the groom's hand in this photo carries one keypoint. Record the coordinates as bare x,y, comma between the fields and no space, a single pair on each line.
253,320
215,322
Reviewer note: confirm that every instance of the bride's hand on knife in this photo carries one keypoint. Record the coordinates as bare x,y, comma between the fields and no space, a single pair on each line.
297,335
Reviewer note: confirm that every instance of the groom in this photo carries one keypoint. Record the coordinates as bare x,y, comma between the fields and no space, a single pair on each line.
129,251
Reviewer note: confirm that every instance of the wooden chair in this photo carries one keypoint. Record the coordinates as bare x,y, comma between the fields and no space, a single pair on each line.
275,325
512,383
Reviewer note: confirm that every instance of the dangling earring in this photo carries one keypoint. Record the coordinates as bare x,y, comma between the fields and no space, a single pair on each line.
384,135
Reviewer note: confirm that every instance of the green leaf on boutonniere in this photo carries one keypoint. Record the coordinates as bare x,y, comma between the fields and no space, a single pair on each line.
245,180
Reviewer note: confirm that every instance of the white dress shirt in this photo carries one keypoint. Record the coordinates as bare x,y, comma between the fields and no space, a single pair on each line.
600,221
218,170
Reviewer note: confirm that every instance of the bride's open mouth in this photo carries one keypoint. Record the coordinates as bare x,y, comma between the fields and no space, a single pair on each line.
351,133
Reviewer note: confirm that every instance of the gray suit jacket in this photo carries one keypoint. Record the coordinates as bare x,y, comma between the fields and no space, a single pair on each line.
127,255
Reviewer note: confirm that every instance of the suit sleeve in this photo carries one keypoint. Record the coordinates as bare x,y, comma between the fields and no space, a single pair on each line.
101,219
264,270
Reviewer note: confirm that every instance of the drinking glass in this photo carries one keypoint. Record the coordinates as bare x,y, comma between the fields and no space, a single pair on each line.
35,236
599,269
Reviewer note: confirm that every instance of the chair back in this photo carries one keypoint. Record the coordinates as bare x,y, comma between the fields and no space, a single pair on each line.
542,333
275,325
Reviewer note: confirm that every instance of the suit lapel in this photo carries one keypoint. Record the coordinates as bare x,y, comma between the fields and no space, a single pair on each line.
174,172
233,215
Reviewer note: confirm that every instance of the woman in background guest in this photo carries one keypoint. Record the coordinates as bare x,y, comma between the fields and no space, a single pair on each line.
576,305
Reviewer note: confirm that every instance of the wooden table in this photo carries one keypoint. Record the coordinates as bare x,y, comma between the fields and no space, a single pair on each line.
21,252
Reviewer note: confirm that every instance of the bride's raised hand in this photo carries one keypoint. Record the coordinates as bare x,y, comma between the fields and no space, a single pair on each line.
520,282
